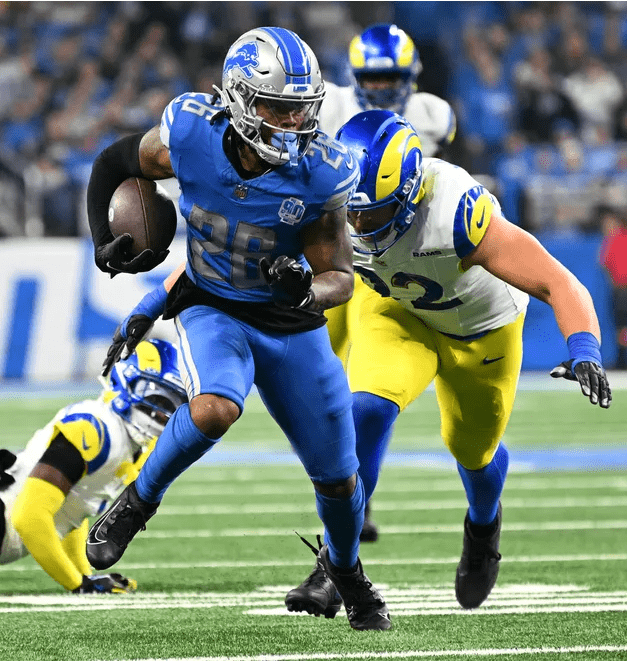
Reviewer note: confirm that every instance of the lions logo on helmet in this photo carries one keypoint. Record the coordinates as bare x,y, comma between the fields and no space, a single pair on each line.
388,152
245,58
276,66
146,388
384,51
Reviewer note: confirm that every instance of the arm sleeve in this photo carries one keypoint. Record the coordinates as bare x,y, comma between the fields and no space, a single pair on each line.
115,164
74,545
33,518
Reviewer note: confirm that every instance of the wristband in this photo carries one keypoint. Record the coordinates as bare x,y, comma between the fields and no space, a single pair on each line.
584,347
151,306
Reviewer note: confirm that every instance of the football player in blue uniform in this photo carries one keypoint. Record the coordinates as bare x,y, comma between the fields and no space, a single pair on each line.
72,468
268,250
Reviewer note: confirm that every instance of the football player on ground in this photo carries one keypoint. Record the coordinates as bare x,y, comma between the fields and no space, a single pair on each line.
449,281
264,198
79,462
384,65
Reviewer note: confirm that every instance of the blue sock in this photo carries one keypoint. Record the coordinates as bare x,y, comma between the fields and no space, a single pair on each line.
484,487
374,419
343,520
181,444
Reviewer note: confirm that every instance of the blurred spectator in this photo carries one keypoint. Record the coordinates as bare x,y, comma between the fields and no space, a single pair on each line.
543,108
596,93
51,197
572,51
537,87
15,77
23,131
486,109
613,258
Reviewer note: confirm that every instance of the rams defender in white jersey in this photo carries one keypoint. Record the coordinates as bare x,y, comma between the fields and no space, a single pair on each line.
384,65
79,462
449,282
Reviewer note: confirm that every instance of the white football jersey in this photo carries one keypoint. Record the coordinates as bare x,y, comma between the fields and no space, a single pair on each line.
100,436
432,117
423,269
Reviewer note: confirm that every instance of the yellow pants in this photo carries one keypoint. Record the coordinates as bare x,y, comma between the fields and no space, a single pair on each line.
390,353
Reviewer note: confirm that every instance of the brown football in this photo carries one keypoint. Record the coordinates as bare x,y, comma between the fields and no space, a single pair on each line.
142,209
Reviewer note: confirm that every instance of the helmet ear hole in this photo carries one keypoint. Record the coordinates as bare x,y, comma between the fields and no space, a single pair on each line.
121,405
388,152
148,379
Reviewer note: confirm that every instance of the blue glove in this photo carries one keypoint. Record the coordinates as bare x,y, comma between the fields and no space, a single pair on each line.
585,366
135,327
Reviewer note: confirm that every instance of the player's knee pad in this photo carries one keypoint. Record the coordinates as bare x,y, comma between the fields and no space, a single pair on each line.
213,415
472,453
341,489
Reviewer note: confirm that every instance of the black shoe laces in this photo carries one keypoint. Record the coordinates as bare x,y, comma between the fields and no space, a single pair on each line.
129,521
480,551
363,597
318,577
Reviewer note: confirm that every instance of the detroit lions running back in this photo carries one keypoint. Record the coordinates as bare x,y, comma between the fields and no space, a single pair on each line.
268,251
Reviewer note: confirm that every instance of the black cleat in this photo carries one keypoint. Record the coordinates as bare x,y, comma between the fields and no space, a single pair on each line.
112,533
365,608
316,595
479,565
369,533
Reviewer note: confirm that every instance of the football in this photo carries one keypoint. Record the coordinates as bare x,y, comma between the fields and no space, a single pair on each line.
141,208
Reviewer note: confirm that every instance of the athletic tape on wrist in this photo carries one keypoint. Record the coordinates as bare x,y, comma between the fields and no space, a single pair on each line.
582,347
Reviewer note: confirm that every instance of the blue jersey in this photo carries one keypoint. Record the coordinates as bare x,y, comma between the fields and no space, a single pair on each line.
233,222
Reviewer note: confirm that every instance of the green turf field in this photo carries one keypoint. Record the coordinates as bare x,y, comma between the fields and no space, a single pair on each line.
215,563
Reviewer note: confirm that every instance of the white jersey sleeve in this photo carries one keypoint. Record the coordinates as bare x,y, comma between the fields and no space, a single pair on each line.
339,105
432,117
434,121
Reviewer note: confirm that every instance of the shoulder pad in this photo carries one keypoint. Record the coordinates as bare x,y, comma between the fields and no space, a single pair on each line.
472,218
182,113
335,171
89,435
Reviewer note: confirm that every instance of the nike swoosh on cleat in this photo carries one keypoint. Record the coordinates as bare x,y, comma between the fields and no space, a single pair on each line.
93,538
487,361
85,446
480,223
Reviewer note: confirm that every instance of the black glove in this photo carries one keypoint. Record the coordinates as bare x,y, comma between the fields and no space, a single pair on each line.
591,377
125,342
289,281
106,584
115,257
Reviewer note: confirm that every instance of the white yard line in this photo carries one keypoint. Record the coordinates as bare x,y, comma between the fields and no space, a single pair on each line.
408,505
306,561
413,654
406,484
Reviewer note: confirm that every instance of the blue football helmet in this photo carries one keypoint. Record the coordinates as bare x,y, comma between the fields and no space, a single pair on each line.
384,50
387,150
146,388
277,67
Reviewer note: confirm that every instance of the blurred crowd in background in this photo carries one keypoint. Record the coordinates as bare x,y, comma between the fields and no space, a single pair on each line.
539,90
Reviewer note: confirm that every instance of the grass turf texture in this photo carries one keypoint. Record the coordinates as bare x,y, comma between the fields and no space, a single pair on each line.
215,562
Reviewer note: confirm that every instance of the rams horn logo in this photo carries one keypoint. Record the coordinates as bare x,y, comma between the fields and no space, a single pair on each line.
246,57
